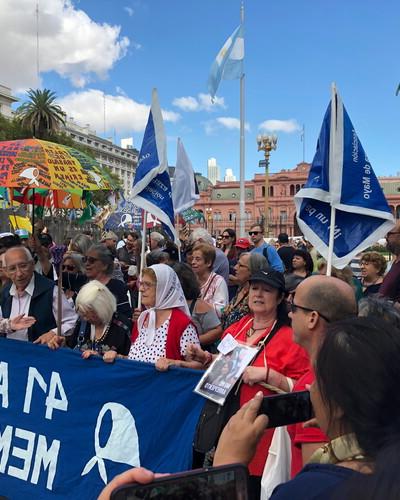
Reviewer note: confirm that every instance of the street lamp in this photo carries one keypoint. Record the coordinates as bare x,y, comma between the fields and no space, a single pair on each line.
266,143
209,218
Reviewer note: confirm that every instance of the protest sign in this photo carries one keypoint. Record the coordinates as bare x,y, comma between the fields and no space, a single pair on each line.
68,425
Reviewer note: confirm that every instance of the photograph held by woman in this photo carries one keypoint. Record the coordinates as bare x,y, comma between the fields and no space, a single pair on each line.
279,362
100,329
99,265
164,330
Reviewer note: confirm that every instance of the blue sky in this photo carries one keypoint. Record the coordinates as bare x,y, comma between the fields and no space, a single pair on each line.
294,49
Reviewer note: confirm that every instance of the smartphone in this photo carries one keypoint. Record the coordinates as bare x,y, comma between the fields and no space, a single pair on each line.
228,482
285,409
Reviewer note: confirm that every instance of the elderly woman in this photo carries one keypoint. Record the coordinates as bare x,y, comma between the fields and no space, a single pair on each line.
164,330
204,317
278,363
73,274
100,330
213,287
248,264
373,267
80,244
99,265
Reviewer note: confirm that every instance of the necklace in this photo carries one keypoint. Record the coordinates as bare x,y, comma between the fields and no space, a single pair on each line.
251,331
103,336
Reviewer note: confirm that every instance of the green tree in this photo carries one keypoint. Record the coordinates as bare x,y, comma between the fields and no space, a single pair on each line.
40,114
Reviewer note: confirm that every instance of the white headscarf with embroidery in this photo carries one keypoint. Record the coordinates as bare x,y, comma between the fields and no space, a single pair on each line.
169,294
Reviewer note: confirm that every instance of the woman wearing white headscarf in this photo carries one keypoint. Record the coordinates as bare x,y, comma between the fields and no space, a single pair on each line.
164,330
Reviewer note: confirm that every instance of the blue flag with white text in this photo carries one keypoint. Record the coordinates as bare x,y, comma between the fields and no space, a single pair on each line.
69,425
342,177
151,188
228,64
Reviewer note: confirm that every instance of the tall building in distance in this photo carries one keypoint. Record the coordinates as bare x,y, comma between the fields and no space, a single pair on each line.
213,170
229,177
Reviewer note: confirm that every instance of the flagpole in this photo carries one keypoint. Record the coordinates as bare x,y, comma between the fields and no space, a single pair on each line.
242,150
332,148
142,255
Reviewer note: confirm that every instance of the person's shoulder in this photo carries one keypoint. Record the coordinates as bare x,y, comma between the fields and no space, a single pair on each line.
202,307
115,284
314,481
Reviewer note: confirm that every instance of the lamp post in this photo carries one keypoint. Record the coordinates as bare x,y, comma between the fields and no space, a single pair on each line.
266,143
209,219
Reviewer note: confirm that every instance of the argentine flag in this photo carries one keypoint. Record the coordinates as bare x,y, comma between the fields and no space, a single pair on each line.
228,64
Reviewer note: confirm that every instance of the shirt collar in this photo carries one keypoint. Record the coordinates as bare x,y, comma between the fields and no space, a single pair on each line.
28,289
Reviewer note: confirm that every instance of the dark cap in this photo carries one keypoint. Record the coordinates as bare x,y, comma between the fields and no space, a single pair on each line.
271,278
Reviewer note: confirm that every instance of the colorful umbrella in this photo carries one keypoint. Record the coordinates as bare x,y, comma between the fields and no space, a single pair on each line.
49,198
34,163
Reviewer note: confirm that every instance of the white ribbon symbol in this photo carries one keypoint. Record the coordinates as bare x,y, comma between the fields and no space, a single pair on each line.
32,174
122,445
125,219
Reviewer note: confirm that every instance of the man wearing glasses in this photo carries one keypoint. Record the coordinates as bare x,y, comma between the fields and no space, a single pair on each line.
318,301
390,287
256,234
34,295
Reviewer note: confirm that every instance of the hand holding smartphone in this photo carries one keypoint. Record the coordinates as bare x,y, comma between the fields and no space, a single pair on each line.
228,482
285,409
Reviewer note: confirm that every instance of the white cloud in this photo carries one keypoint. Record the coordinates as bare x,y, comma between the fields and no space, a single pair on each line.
200,103
213,126
122,113
231,123
129,11
70,43
287,126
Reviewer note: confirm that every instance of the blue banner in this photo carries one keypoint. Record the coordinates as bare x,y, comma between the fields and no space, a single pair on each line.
342,180
126,216
69,425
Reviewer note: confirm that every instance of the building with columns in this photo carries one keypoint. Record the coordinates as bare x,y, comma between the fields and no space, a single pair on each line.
220,203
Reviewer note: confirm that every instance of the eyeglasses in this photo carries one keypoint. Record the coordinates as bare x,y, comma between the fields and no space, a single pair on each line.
71,269
225,236
294,307
24,266
219,238
89,260
146,284
253,233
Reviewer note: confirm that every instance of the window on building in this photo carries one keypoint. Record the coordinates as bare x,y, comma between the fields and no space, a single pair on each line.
291,190
271,190
283,216
232,216
263,191
297,188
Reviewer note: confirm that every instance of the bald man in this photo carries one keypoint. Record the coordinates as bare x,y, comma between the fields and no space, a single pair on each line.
318,301
34,295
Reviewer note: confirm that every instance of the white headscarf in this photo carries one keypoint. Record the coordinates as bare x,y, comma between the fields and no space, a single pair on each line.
169,294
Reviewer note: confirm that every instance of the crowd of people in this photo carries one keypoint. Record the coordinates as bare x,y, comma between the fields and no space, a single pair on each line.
337,336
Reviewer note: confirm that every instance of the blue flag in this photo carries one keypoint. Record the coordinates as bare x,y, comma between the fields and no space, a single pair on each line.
228,64
151,189
69,425
342,177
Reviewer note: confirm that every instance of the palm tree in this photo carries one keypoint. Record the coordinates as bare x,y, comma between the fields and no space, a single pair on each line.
40,114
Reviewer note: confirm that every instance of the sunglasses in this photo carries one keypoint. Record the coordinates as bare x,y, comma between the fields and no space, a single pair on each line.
253,233
71,269
294,307
225,236
89,260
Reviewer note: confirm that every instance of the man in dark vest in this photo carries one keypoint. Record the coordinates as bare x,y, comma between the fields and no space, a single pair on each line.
34,295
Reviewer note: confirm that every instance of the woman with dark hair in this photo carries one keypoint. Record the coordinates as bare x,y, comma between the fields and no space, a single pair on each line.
248,264
279,360
373,267
302,267
99,265
204,317
231,252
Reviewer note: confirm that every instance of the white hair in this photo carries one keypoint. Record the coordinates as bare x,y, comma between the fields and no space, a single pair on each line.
95,296
20,249
201,234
